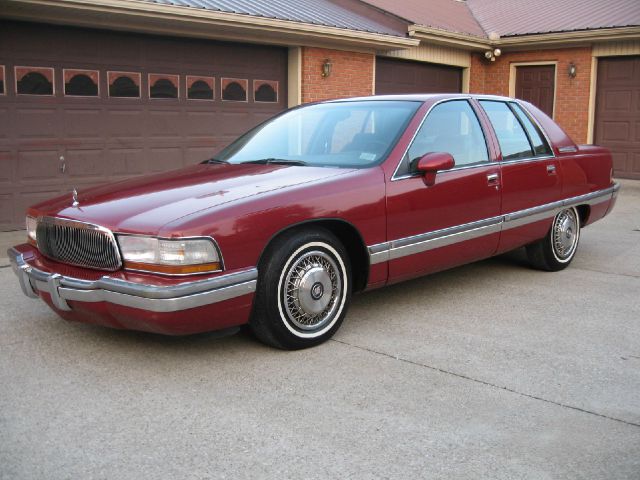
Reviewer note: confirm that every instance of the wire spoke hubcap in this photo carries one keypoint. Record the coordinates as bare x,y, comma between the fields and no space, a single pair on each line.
565,234
312,290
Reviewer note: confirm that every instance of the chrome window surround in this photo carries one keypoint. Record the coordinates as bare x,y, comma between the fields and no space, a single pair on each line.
131,294
200,237
83,226
402,247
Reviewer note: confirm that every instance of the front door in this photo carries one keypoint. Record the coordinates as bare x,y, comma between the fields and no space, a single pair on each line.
456,220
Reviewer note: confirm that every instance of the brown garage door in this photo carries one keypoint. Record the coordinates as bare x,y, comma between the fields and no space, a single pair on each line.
535,84
80,107
617,122
402,76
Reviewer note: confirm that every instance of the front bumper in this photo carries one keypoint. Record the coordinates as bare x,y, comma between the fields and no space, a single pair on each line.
153,298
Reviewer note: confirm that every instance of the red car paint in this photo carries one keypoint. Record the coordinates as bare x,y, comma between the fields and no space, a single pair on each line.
243,207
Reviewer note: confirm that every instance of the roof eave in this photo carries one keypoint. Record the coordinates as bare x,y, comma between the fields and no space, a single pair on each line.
448,38
571,37
145,17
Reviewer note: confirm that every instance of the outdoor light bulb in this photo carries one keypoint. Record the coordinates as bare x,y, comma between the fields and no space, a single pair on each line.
488,54
497,52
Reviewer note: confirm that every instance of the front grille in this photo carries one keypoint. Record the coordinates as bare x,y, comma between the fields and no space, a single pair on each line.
77,243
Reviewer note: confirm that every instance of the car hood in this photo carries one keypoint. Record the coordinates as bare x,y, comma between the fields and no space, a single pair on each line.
145,204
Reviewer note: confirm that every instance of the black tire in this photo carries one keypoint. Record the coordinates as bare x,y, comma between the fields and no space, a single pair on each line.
294,308
556,250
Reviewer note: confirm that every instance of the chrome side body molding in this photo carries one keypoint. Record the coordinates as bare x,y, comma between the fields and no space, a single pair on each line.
402,247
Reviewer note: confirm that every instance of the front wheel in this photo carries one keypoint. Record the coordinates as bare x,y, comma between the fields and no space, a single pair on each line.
556,250
303,292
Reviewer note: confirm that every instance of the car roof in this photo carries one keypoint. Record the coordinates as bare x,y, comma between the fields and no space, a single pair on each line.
420,97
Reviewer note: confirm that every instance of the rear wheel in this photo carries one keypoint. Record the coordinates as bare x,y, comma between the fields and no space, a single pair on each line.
556,250
303,290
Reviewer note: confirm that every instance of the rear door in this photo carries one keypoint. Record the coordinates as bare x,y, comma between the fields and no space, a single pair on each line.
530,172
456,220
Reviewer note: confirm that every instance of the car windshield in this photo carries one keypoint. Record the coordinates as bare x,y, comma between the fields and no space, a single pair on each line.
340,134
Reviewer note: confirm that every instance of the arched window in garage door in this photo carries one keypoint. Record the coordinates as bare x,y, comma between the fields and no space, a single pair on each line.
124,84
234,89
34,81
265,91
200,88
163,86
81,83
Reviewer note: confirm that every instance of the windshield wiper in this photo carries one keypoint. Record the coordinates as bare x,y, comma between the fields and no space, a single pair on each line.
215,160
277,161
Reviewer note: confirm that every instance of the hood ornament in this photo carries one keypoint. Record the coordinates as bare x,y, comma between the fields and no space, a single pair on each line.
74,196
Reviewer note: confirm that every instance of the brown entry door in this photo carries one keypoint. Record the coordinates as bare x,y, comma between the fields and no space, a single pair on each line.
536,84
617,124
403,76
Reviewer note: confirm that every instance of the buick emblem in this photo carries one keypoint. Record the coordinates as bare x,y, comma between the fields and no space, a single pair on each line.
317,290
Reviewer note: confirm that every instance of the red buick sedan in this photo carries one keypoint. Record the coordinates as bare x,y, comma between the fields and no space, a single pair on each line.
282,226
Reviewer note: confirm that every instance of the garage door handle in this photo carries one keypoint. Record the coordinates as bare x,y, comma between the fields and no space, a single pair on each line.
63,164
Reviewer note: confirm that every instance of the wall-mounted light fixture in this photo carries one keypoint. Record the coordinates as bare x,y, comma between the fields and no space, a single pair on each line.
492,54
326,68
572,70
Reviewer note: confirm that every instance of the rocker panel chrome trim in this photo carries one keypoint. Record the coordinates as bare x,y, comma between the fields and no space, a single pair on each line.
402,247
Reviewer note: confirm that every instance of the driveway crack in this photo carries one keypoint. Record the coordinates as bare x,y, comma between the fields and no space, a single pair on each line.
482,382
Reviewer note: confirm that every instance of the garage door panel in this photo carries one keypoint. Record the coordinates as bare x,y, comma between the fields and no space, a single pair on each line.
4,123
85,164
165,158
126,161
194,155
617,119
166,124
402,76
39,166
6,210
37,123
7,172
83,123
125,123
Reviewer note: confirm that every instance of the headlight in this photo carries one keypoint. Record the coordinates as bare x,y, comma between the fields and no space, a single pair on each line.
32,224
169,256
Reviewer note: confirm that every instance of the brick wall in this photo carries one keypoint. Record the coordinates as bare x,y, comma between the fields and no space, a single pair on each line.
351,74
572,94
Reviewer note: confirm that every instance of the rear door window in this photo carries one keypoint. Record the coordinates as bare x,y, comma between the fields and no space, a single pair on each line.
514,143
540,145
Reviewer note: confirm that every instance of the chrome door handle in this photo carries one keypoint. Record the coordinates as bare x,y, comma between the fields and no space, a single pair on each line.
492,179
551,169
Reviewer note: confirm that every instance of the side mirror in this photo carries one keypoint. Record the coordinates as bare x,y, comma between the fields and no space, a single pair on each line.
431,163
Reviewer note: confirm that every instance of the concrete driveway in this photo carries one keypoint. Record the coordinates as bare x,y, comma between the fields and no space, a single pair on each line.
491,370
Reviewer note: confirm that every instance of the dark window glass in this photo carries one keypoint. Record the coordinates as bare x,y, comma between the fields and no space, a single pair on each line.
234,91
199,90
163,88
1,80
451,127
81,85
540,145
34,83
266,93
124,86
513,140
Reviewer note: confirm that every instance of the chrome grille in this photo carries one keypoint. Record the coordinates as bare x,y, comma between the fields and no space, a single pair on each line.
77,243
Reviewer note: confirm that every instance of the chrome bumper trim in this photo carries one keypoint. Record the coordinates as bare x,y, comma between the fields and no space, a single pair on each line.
402,247
129,294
